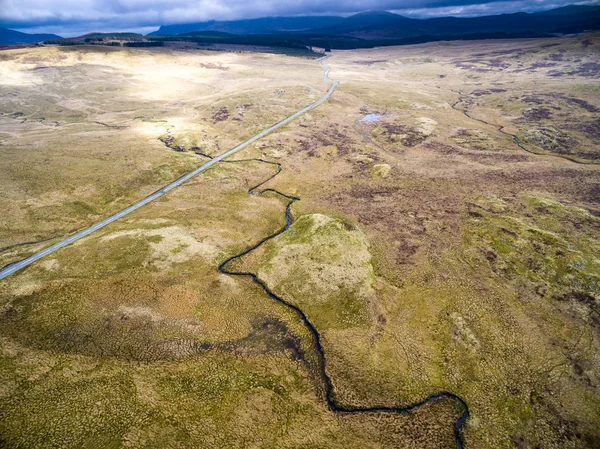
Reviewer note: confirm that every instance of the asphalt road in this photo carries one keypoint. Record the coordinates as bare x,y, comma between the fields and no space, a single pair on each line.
12,268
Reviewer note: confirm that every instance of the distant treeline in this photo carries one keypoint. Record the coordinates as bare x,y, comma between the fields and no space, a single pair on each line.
100,41
64,42
144,44
256,40
119,36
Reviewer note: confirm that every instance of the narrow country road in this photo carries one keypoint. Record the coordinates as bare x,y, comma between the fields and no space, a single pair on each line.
14,267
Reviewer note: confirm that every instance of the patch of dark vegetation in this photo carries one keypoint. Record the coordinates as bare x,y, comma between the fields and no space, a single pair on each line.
519,441
552,98
472,140
533,99
394,212
549,45
407,136
406,251
590,129
492,158
582,186
512,53
169,142
481,92
111,126
239,111
583,104
579,297
536,114
17,245
587,70
270,336
369,63
490,255
64,42
122,334
200,152
441,148
482,65
366,111
493,53
339,137
551,139
504,59
8,56
536,65
542,65
364,166
135,334
586,43
557,57
473,207
220,115
556,74
509,232
141,44
568,429
213,66
588,156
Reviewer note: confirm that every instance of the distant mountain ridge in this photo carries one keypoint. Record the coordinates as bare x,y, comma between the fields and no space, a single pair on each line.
561,21
387,25
265,25
12,37
363,30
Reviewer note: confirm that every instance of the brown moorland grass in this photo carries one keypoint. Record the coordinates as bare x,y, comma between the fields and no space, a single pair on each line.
430,252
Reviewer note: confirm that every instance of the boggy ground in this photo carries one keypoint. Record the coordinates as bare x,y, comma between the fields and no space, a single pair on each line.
429,251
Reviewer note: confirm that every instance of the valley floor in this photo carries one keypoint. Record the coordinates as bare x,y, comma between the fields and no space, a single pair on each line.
449,243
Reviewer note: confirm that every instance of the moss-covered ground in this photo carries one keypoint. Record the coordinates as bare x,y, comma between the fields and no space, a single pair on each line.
429,251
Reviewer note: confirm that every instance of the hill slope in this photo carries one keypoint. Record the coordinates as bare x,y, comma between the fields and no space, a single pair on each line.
265,25
378,24
12,37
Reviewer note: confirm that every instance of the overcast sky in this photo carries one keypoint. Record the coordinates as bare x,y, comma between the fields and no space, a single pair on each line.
75,17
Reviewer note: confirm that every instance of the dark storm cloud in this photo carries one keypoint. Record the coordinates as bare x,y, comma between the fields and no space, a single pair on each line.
70,17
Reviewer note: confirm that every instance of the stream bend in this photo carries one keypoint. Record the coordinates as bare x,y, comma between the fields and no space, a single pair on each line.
332,404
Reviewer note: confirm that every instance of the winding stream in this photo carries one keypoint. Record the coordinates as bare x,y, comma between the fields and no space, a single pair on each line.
516,140
332,404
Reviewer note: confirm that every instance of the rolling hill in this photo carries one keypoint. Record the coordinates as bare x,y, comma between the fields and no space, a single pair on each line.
12,37
381,24
265,25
